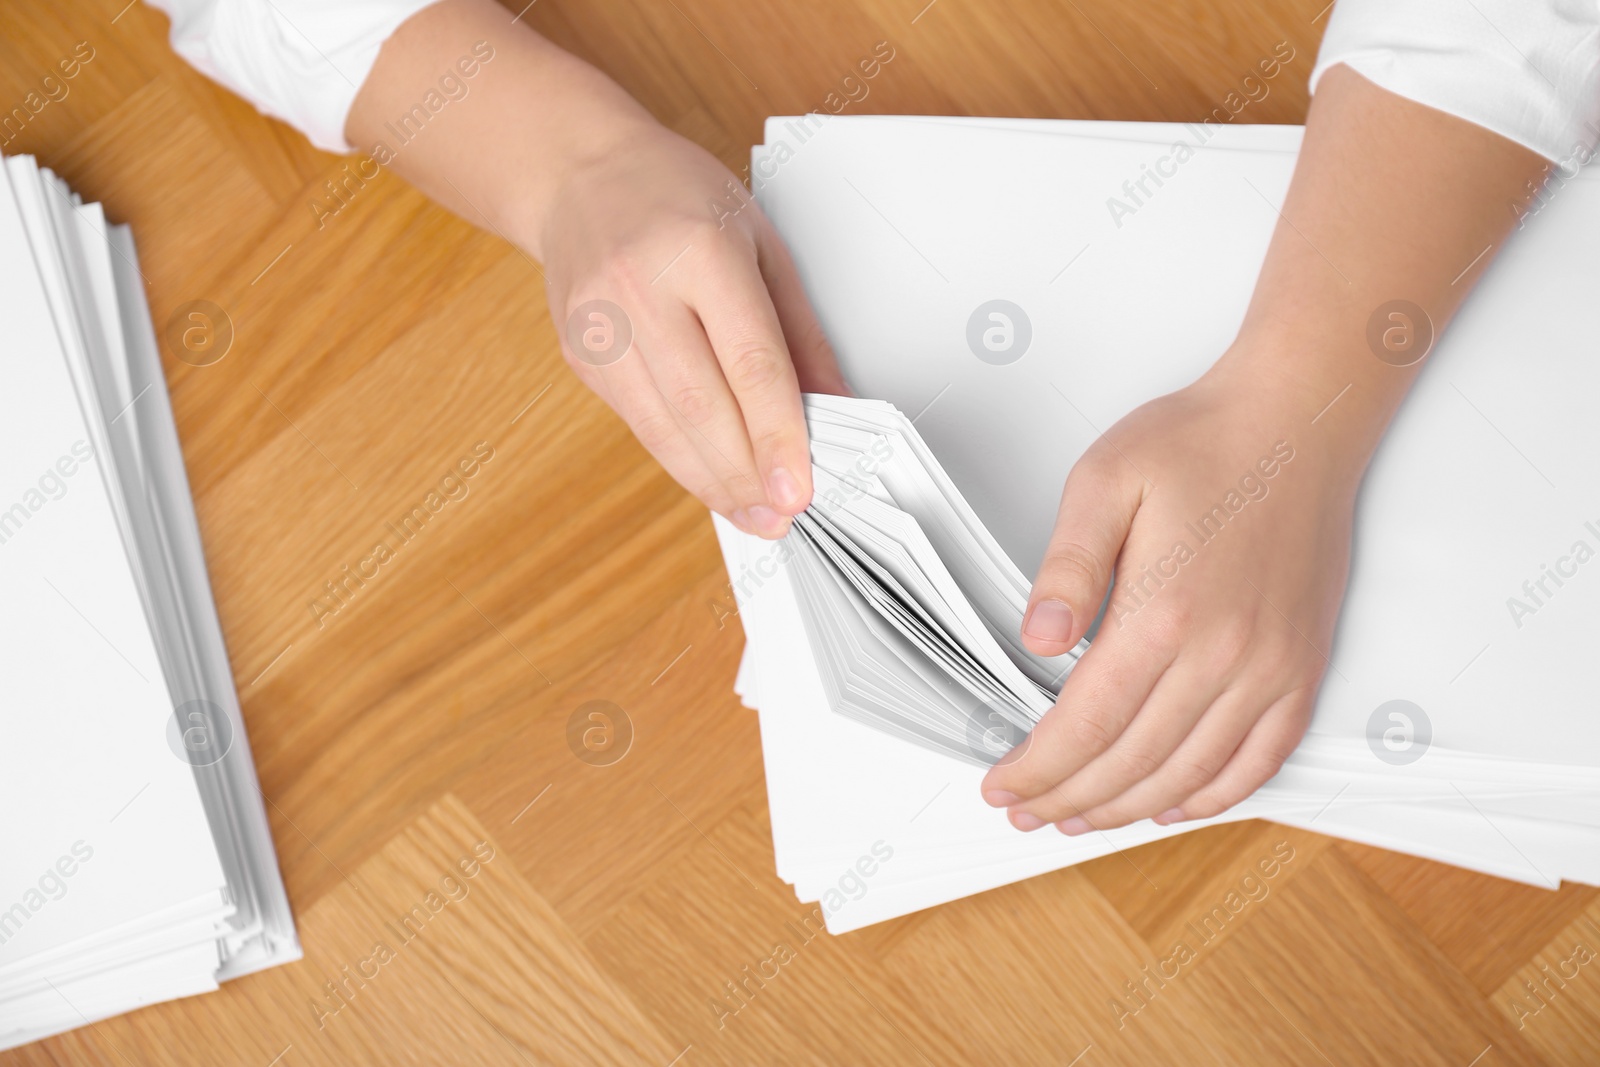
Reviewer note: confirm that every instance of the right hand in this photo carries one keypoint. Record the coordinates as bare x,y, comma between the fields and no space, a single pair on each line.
723,338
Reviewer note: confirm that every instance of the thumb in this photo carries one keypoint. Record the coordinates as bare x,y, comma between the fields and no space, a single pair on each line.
1097,509
814,362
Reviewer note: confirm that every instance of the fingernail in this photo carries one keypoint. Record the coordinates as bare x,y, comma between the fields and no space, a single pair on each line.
767,523
784,490
1026,821
1169,816
741,519
1049,620
999,798
1074,826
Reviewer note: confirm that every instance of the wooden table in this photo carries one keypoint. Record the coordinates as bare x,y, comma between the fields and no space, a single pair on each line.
420,717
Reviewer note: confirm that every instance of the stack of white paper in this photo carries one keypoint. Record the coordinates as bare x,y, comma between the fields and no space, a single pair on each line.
136,863
1457,721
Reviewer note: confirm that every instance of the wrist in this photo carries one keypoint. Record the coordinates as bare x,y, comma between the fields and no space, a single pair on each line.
1334,400
571,163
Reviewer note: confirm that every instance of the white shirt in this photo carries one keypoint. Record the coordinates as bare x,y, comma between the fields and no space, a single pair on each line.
297,60
1527,69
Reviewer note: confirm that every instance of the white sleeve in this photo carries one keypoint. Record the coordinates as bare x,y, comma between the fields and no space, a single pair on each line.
1527,69
298,60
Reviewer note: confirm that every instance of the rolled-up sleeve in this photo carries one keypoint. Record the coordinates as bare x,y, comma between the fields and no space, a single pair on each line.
1527,69
301,61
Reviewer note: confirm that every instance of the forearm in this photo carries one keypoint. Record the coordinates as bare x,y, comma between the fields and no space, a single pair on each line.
687,318
1390,201
531,117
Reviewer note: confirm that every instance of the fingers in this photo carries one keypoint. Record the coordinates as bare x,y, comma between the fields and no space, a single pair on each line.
814,363
689,378
710,344
744,330
1233,751
635,398
1097,509
1192,765
1100,698
1270,741
1179,700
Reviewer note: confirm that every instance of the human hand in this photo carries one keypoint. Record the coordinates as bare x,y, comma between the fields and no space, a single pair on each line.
687,318
1196,690
723,340
1228,520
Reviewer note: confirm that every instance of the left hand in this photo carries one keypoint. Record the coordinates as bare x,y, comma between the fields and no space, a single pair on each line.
1227,519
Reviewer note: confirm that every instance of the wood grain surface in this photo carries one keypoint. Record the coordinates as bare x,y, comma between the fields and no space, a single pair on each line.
416,726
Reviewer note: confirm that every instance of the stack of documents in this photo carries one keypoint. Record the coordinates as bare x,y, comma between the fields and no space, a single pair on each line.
915,613
136,863
995,289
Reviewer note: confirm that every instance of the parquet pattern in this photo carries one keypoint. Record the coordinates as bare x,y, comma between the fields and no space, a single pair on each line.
469,892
